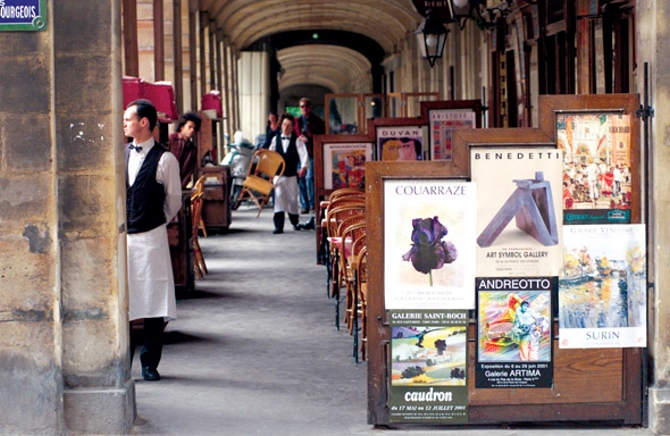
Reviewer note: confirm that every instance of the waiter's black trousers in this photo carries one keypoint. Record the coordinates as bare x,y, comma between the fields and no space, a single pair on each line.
152,338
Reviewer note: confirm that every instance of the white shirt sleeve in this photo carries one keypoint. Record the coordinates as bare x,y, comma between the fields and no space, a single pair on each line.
302,151
167,174
273,144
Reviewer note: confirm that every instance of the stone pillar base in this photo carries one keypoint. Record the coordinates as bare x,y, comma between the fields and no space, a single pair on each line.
659,410
100,411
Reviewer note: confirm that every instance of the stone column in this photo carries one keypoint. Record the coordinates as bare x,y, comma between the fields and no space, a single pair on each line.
64,347
653,45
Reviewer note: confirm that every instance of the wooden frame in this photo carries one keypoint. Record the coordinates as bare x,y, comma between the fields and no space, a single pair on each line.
614,376
375,125
320,157
431,108
321,188
551,106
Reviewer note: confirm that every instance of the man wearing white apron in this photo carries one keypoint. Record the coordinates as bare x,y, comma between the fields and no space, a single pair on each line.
153,198
294,152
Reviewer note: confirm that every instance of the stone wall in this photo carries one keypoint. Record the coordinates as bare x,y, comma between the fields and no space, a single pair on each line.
64,347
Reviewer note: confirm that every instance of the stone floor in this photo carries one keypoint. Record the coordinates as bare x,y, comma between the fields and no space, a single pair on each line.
255,350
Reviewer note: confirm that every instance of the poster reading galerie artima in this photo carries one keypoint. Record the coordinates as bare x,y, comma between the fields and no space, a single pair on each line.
519,210
514,332
602,296
428,366
429,257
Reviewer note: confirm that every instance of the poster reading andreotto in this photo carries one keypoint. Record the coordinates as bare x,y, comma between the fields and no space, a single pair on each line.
518,210
514,332
429,257
602,298
428,366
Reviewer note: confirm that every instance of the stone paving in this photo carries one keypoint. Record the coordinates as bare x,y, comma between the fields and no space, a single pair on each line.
255,350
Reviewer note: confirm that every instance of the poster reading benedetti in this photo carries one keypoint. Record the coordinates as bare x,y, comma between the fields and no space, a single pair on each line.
429,257
514,332
602,298
344,165
518,210
428,366
442,124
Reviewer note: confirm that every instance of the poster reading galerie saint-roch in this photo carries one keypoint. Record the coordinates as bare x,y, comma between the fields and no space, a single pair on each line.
344,164
514,332
442,122
519,210
429,258
602,298
428,366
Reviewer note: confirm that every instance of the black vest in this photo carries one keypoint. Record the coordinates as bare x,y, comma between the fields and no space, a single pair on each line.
145,199
291,156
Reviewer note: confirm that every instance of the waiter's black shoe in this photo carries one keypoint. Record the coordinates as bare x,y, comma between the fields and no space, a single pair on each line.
277,231
309,225
297,227
150,374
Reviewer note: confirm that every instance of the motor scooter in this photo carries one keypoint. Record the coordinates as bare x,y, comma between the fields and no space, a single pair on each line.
239,159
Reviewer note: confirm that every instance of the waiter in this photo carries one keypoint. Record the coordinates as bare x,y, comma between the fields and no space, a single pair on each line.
153,198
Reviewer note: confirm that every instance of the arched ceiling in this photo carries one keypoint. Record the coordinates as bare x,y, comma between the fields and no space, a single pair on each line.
245,22
301,67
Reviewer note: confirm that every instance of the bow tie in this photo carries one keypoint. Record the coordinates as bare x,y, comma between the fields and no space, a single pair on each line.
285,138
137,148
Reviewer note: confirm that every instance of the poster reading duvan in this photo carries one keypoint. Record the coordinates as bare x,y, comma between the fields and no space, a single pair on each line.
602,296
519,210
428,366
429,257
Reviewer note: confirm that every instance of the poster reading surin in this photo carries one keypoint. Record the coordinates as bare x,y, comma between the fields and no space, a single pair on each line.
514,332
597,174
602,298
442,124
344,165
429,258
428,366
518,210
400,143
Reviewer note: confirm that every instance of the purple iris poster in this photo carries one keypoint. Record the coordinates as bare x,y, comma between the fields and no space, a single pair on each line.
429,254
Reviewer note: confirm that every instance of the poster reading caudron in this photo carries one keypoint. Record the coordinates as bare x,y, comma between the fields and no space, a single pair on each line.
429,257
519,210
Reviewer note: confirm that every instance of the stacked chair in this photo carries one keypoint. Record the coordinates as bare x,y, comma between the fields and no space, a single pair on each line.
199,266
343,248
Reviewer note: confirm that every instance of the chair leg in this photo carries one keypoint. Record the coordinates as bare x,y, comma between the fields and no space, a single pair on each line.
200,266
203,228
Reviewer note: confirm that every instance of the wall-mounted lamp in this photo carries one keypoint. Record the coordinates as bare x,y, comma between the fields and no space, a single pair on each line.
431,37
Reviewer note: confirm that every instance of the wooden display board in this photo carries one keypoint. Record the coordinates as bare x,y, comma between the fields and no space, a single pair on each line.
614,375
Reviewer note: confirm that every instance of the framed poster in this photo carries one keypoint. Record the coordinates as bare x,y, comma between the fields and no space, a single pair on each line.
339,162
599,135
398,139
442,118
518,210
602,296
428,253
429,380
514,339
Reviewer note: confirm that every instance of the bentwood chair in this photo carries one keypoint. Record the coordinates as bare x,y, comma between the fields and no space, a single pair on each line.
260,180
359,266
198,189
199,266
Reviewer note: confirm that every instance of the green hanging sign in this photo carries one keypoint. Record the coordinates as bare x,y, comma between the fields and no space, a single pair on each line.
23,15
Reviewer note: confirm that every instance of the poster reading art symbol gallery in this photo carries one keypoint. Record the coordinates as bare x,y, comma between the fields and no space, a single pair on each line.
602,296
429,258
519,210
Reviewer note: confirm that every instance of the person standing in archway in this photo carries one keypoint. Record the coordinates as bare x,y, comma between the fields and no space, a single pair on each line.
307,125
